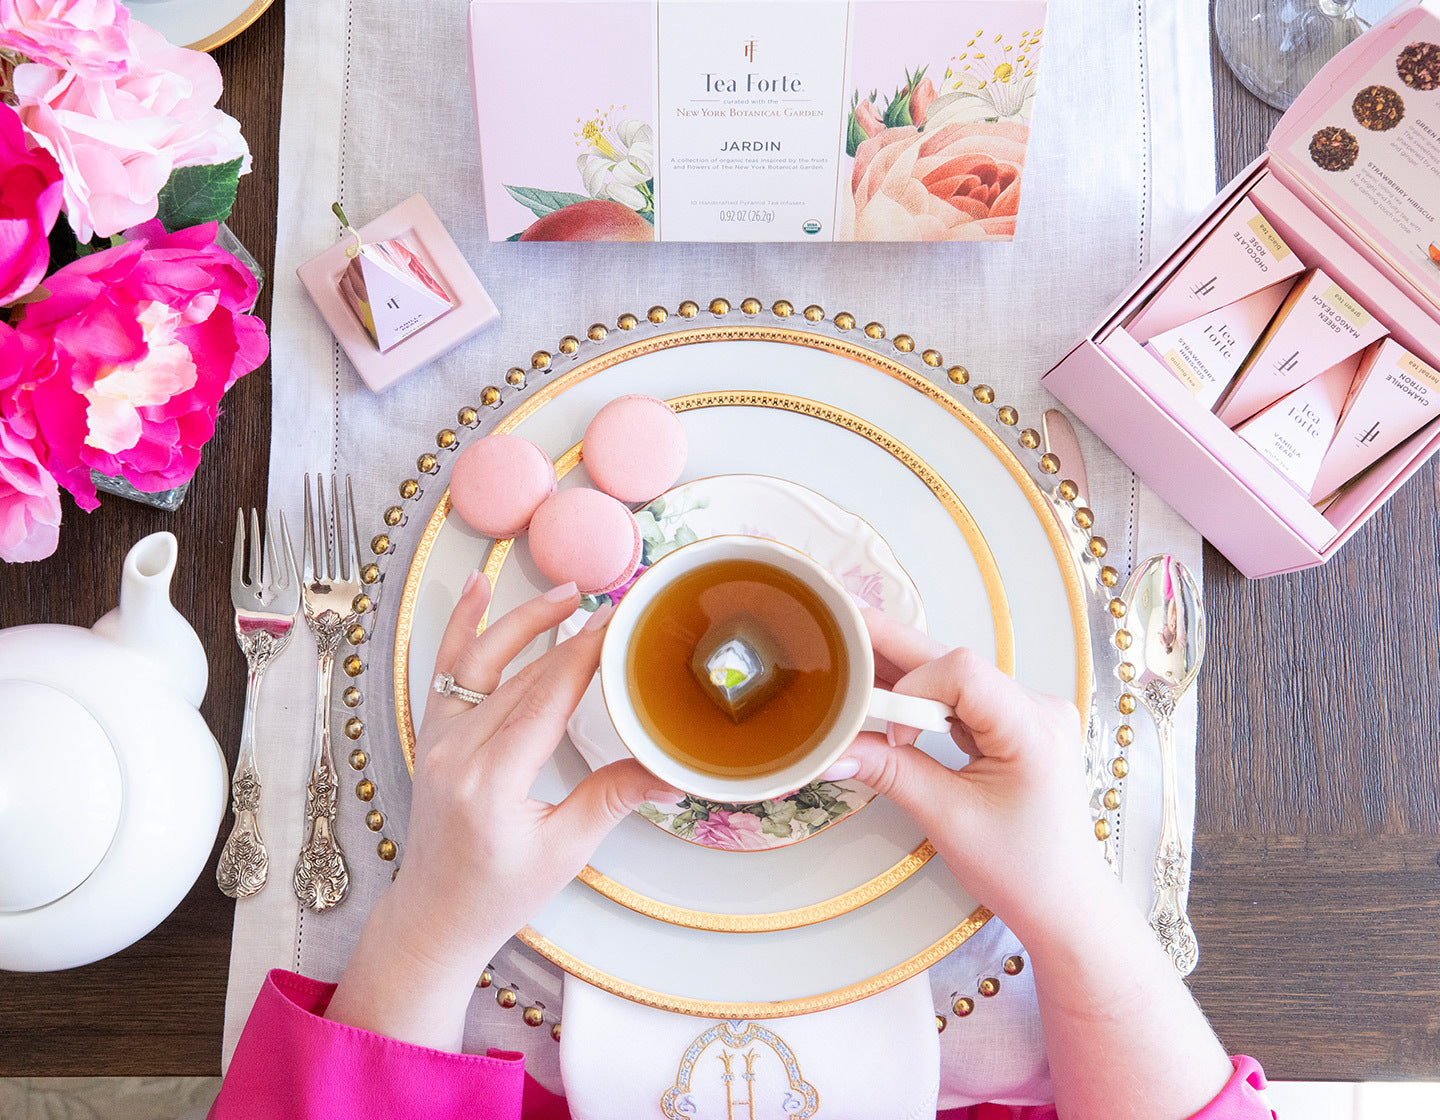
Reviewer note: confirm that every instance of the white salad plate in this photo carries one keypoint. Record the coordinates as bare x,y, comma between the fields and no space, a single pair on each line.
859,905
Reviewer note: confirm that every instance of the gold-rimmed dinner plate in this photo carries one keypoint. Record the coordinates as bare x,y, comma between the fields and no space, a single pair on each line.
884,442
201,25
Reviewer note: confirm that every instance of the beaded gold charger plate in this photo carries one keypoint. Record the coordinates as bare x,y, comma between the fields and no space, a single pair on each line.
949,477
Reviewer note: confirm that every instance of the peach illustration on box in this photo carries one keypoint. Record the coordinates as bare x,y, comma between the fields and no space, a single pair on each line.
616,166
944,161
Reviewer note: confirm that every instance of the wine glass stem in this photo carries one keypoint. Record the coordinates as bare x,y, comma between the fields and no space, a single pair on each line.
1336,9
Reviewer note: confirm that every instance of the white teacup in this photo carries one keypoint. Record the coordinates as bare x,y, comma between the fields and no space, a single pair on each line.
865,707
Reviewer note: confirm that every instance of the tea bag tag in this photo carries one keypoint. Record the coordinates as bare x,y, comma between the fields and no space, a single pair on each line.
737,667
388,287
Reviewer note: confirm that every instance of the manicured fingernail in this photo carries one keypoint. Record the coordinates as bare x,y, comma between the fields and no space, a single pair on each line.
561,593
601,616
470,581
665,796
845,768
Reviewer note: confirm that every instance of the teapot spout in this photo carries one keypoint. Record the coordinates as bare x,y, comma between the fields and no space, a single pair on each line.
147,623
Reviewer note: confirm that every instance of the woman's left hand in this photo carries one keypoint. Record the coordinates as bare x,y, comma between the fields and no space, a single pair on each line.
482,856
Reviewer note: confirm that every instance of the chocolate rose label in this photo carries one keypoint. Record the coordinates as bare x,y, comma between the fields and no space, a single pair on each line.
755,121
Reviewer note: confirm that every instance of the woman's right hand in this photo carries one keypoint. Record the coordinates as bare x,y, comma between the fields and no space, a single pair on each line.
1013,824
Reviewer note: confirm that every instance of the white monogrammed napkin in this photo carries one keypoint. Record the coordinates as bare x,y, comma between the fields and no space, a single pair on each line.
879,1057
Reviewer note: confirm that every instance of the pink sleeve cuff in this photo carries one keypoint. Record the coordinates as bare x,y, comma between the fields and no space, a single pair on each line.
292,1062
1243,1097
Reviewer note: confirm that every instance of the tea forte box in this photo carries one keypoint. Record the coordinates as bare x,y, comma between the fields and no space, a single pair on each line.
1350,183
754,120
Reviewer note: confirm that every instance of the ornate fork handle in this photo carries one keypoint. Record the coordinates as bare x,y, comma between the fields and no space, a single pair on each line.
244,860
1172,862
321,878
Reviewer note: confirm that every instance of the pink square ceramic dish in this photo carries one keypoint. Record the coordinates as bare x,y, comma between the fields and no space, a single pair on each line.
417,224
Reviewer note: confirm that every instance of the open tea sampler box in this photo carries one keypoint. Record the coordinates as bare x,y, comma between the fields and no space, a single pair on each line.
1343,211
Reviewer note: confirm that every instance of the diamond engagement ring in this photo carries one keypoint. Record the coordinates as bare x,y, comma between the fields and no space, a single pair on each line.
445,685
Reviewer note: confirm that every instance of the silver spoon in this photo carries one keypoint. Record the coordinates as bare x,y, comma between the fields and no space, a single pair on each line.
1166,620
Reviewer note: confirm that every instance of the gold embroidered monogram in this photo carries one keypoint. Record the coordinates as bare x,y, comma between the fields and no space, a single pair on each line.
739,1071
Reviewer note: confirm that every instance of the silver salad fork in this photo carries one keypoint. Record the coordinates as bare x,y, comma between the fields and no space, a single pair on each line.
266,597
331,580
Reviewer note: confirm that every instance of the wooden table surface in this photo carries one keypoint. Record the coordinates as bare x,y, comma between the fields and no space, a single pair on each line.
1316,890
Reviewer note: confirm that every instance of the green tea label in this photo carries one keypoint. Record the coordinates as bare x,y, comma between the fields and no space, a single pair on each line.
1347,307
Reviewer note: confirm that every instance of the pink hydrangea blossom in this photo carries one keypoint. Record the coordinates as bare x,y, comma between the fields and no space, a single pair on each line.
29,204
118,139
29,498
138,343
731,831
91,37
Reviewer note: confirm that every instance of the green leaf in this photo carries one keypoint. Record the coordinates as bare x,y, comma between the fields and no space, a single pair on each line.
897,110
193,196
854,135
516,236
775,828
541,202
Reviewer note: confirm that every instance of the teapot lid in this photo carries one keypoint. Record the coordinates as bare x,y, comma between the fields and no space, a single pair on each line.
60,794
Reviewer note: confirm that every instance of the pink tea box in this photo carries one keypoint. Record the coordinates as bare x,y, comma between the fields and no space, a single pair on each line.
1349,185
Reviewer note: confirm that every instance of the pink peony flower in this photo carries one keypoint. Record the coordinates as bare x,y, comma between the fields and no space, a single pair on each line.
118,139
29,204
91,37
732,831
139,342
960,182
29,498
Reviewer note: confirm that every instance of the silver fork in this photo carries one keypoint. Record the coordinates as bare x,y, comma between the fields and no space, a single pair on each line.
266,597
331,581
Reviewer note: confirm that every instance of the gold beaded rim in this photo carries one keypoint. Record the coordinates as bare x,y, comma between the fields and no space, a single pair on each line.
570,347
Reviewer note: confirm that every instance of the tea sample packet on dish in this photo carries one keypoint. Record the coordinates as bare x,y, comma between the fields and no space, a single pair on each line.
1318,325
1204,355
1242,255
1393,396
391,292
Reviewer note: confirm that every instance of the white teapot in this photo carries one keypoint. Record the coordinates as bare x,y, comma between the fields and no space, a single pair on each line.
112,788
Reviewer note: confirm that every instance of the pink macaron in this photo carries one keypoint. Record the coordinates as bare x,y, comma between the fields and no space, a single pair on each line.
499,482
635,448
588,537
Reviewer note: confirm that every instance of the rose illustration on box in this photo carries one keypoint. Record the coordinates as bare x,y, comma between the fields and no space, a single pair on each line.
617,169
946,163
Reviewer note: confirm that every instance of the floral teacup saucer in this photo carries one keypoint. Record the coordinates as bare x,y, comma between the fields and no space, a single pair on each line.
758,506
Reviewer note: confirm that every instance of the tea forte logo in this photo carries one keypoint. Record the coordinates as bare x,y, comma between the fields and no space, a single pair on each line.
749,50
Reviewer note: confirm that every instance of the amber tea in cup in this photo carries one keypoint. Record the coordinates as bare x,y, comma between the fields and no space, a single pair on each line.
728,624
737,670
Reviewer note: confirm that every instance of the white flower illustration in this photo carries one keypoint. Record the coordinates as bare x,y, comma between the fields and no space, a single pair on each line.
994,84
619,164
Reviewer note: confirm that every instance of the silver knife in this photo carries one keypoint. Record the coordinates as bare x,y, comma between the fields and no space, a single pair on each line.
1060,440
